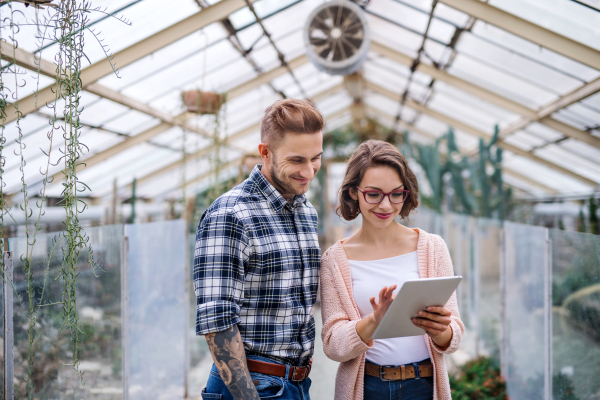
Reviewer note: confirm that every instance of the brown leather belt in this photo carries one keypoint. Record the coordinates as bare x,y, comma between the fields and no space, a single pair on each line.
401,372
266,368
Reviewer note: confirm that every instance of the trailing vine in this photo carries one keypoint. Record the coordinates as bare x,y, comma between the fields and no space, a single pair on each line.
72,19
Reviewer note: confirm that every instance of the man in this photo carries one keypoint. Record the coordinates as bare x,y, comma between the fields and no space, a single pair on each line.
257,262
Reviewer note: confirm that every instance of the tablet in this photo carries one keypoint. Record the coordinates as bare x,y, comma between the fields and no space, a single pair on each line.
414,296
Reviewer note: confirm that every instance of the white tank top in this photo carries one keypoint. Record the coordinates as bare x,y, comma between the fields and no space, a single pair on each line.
368,278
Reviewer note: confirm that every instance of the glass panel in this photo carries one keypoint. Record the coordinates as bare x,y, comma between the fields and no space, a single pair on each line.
524,140
582,149
99,311
544,175
460,245
575,316
491,78
525,310
573,162
488,239
157,321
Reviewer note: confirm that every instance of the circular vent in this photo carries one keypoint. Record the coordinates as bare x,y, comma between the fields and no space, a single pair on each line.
337,37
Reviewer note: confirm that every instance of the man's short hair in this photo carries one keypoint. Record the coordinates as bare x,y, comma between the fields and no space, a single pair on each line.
289,116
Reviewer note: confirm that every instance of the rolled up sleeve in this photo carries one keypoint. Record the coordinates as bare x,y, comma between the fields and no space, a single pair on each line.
219,257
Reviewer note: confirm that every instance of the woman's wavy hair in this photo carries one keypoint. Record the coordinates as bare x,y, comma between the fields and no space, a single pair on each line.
375,153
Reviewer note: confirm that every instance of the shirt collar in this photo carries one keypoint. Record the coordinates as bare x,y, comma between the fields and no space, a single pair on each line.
269,191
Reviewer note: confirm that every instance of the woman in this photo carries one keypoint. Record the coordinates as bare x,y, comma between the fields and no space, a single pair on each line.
376,260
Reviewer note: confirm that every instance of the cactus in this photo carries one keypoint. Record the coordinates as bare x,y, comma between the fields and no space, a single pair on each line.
479,194
429,159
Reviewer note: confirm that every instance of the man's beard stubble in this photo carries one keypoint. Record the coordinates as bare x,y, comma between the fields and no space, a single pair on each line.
279,181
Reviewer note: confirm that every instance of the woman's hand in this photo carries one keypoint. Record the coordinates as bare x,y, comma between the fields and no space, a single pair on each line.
436,322
385,301
366,327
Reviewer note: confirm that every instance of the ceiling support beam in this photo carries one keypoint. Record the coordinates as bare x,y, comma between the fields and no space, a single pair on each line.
475,132
529,115
431,136
135,52
527,30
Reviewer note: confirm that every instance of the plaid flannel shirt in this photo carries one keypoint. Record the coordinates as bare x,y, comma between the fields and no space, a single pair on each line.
256,264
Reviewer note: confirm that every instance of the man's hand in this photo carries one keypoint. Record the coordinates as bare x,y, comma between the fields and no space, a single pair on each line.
228,353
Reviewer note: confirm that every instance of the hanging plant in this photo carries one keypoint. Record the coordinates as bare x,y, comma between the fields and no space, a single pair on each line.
200,102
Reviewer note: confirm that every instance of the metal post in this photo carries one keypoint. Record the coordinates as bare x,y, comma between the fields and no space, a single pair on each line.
9,390
548,319
125,314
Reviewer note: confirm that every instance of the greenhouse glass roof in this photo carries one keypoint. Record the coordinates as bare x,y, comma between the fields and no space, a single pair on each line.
530,66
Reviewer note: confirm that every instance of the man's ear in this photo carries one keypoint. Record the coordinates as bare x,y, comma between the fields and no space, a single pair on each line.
265,153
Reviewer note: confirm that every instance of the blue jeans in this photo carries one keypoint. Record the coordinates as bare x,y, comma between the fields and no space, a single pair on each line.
269,387
409,389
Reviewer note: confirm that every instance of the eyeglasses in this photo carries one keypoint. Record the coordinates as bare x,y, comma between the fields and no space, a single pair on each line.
377,196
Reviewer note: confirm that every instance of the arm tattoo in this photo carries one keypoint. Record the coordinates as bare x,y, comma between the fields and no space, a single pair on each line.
229,356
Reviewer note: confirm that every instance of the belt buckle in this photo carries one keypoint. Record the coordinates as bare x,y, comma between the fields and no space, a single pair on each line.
382,373
294,375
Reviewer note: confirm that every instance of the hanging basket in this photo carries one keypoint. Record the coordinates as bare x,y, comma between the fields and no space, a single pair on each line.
199,102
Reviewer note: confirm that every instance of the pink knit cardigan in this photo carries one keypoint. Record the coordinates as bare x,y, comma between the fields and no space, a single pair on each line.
340,315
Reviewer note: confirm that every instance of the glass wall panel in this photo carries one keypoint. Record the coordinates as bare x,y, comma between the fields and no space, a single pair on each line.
489,238
99,313
157,317
575,314
460,244
525,311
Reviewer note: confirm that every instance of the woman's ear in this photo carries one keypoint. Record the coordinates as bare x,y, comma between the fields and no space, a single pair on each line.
353,194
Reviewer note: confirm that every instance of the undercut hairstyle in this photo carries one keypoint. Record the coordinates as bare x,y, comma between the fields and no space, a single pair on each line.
289,116
375,153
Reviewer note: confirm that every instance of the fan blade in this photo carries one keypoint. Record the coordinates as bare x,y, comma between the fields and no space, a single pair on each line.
318,34
338,51
325,18
339,12
349,48
354,27
348,21
359,35
355,43
323,51
319,23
